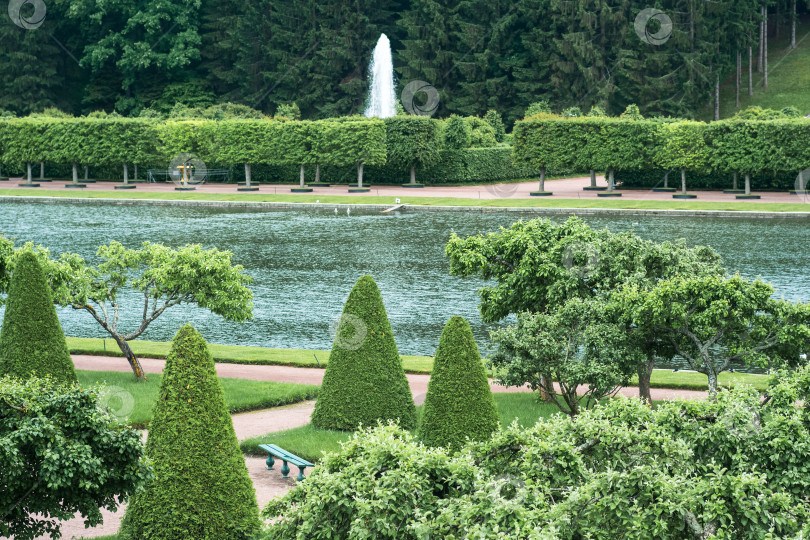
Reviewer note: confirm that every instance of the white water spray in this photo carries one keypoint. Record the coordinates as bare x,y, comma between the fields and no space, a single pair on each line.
382,95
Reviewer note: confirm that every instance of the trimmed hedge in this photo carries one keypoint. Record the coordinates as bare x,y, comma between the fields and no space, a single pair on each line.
31,341
364,382
459,403
201,488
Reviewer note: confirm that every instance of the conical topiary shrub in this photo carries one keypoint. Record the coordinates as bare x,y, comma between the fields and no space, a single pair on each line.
201,488
32,342
364,380
459,402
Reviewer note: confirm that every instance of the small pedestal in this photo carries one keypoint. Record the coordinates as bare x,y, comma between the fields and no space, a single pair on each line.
413,185
187,188
609,194
75,185
596,188
664,190
684,196
126,186
301,190
26,184
247,189
356,189
541,193
749,196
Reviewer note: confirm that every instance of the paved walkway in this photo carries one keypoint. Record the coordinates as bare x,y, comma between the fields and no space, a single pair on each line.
569,188
269,484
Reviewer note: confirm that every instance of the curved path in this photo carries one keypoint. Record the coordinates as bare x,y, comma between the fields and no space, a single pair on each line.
269,484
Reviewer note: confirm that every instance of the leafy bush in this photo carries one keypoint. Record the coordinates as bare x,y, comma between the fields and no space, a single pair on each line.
364,381
632,113
482,134
538,107
201,487
291,112
31,341
457,133
459,403
62,452
621,469
494,119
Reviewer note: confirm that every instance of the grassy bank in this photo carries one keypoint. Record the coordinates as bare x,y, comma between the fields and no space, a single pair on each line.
136,399
542,202
309,442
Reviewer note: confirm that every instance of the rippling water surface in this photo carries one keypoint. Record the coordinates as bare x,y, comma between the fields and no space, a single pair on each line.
305,262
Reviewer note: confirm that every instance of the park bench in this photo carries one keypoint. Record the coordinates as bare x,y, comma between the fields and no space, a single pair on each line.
275,451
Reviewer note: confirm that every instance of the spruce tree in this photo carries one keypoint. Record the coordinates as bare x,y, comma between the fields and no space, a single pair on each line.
364,380
459,402
31,340
201,488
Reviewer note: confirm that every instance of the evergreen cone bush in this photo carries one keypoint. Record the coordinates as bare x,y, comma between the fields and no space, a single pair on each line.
31,341
364,380
459,402
201,488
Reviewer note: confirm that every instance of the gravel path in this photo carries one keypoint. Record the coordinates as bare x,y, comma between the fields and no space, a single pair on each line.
269,484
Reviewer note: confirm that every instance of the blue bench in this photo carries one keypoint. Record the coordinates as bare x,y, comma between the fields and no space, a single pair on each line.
278,452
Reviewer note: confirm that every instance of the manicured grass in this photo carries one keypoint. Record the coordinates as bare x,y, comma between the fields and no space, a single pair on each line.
730,206
231,354
310,443
240,394
237,354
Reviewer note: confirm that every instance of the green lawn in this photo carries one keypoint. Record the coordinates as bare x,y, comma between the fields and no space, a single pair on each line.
788,79
542,202
240,394
237,354
309,442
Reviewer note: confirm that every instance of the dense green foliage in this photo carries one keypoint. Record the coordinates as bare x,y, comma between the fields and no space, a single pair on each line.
201,487
62,453
478,55
620,470
459,403
768,147
31,340
364,381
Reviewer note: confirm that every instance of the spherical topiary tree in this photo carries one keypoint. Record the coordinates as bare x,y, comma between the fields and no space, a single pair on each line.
32,342
364,380
459,402
201,488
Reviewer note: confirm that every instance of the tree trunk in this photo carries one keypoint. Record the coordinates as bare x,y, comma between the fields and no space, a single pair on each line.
761,42
29,173
765,48
134,363
86,171
683,180
126,174
739,78
542,179
317,173
75,173
41,170
717,98
545,396
301,176
747,184
611,183
359,175
776,21
413,174
734,187
750,72
247,174
593,178
644,374
793,26
136,172
666,180
712,382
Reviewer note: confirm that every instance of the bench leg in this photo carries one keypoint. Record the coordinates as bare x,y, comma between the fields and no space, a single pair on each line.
301,476
270,462
285,470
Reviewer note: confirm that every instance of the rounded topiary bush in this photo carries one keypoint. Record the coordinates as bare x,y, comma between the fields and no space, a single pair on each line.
32,342
459,403
364,381
201,488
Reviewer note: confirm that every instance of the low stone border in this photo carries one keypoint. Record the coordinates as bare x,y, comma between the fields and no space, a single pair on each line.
268,205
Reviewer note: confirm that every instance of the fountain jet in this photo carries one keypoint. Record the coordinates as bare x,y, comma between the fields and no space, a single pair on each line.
382,96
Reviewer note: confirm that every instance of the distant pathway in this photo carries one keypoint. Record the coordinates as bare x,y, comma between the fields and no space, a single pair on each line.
568,188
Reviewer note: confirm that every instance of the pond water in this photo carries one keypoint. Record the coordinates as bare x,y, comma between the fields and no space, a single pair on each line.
304,263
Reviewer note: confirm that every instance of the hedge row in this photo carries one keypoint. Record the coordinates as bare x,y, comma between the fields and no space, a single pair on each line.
773,149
